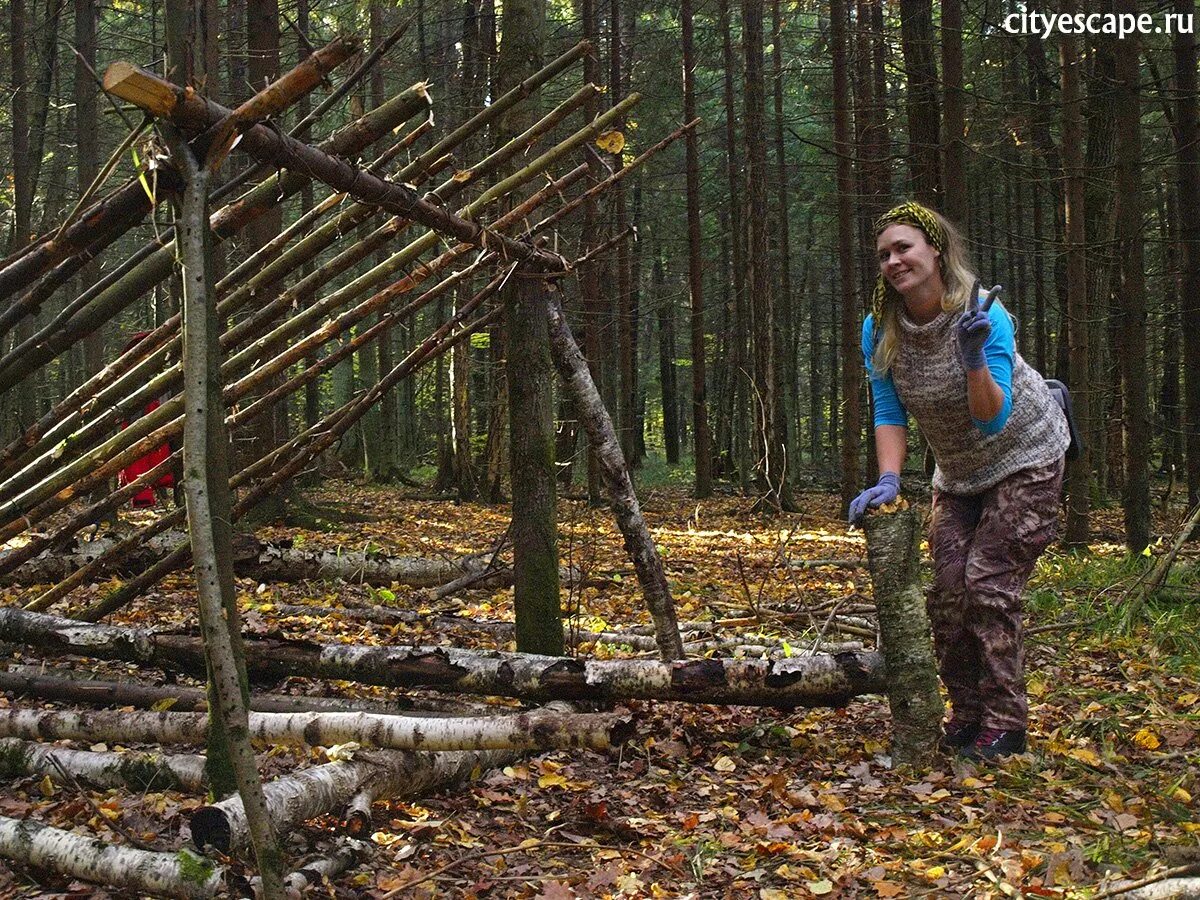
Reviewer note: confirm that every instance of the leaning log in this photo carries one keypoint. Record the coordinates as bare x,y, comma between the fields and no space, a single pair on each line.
539,730
894,560
573,369
140,771
349,140
818,680
321,790
191,112
181,874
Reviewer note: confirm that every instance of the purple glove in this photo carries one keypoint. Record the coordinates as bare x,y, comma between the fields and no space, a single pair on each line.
973,329
885,491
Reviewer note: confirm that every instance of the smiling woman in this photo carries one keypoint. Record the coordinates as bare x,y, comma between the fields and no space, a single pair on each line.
936,347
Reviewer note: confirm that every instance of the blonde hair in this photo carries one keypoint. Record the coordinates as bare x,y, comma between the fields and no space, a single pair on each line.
954,265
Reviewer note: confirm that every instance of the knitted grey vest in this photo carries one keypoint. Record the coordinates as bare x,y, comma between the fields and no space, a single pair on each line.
931,382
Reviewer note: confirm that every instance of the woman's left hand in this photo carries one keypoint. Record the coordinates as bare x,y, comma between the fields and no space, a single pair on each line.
973,329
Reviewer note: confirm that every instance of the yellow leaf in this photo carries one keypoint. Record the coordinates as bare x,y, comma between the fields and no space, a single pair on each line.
164,704
1084,755
611,141
1147,739
935,872
552,780
970,782
724,764
1183,701
824,886
1190,827
1181,796
47,786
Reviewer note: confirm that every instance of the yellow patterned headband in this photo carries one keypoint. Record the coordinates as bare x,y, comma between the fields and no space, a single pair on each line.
906,214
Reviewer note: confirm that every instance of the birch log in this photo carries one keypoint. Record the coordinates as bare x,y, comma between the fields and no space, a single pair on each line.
67,686
540,730
252,559
573,369
141,771
819,680
181,874
321,790
893,557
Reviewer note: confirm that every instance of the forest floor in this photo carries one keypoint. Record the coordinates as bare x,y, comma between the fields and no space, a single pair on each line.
710,801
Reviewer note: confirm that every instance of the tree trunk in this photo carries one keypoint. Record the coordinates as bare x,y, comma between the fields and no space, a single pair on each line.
1133,290
531,434
954,157
1079,470
771,454
1187,144
921,76
666,361
181,874
851,378
702,437
893,552
231,764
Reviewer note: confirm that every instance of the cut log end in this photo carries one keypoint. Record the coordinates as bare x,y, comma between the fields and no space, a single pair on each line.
142,89
210,828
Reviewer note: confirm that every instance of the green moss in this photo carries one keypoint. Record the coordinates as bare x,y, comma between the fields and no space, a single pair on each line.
147,773
193,868
13,759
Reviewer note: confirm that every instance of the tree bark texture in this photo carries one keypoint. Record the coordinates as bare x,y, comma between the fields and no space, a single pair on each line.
851,378
181,874
231,764
894,557
140,771
531,435
920,71
325,789
701,434
1187,142
1078,303
542,730
252,559
1136,419
821,680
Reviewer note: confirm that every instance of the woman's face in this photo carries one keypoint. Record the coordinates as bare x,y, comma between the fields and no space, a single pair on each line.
907,260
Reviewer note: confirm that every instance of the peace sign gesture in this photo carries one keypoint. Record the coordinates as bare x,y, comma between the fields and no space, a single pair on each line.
974,327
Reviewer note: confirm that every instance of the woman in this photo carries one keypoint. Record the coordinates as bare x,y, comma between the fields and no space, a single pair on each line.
938,350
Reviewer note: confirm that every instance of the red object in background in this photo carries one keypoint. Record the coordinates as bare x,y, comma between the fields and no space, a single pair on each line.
144,498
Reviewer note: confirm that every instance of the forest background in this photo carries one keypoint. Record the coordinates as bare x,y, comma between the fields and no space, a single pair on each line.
815,119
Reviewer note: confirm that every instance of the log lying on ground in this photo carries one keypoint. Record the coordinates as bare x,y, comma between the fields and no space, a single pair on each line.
181,874
893,557
820,680
252,559
325,789
538,730
66,686
141,771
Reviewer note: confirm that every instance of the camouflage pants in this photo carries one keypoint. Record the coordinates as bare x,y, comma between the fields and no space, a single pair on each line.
984,548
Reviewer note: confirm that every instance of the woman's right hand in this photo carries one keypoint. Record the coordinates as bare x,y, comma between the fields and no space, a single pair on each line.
886,490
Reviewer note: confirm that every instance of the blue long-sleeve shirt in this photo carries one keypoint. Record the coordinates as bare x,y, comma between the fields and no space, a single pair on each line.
999,351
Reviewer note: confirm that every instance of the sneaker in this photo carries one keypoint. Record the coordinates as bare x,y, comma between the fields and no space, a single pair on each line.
992,743
957,735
